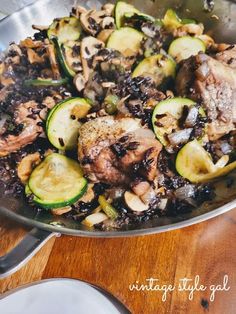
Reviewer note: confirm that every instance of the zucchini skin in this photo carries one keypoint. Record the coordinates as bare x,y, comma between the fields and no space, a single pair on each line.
61,59
45,82
47,205
44,204
154,66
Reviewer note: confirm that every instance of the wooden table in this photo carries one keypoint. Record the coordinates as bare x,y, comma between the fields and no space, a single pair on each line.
207,249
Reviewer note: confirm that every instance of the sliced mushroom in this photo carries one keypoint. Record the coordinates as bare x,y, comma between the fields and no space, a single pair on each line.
27,165
89,47
79,82
15,48
94,21
33,57
90,21
30,43
189,29
108,22
134,202
140,187
53,61
40,27
78,10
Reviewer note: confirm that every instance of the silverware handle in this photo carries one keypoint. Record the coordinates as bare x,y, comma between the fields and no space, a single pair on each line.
24,251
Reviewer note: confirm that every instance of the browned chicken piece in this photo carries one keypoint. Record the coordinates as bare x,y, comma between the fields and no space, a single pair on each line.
213,84
114,151
31,129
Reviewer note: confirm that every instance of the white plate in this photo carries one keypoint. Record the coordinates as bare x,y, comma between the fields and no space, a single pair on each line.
60,296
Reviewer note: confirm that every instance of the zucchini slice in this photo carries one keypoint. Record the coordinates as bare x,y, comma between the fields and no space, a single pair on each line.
62,125
171,20
56,182
158,67
65,29
46,82
70,64
127,40
184,47
195,164
120,10
173,107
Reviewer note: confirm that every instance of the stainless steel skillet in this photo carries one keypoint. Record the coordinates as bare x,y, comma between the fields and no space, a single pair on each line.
221,22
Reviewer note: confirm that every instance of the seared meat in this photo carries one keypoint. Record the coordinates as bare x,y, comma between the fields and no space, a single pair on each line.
31,128
114,151
213,84
21,120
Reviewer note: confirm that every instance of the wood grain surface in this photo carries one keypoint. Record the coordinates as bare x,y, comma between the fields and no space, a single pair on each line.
207,249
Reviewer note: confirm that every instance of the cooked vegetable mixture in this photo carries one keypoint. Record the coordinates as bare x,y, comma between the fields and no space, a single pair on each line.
112,116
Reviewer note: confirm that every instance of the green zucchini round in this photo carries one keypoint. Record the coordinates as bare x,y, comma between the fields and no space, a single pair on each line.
173,106
127,40
184,47
158,67
121,9
57,182
65,29
62,125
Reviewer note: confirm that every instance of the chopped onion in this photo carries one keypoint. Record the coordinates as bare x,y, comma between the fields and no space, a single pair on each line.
94,219
180,137
163,203
226,148
222,162
191,118
149,196
185,192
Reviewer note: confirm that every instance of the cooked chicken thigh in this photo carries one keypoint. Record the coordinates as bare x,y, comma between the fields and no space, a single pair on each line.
114,151
213,84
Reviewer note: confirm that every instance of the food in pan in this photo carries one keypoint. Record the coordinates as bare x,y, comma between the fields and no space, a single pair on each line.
112,117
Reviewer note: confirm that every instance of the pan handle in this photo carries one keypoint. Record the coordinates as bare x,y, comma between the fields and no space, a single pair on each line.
24,251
